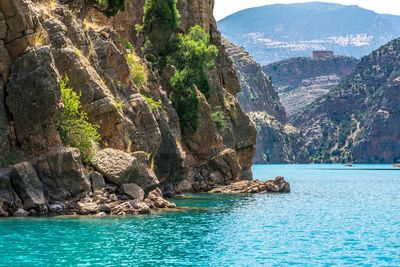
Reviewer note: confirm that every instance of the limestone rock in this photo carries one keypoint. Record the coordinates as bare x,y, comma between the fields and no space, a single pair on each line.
36,110
116,166
278,185
4,129
9,200
143,175
132,190
85,208
155,197
97,181
227,164
21,213
62,174
28,186
22,24
5,62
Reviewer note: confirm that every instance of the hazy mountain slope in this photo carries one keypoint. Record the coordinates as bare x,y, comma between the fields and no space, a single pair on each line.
300,81
277,140
360,119
275,32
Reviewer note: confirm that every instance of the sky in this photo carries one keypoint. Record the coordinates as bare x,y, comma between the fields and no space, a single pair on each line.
224,8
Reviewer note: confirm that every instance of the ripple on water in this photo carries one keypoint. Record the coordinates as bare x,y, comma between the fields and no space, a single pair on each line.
333,217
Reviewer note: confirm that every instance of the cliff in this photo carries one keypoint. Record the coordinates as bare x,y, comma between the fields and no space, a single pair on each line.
300,81
358,121
277,140
141,146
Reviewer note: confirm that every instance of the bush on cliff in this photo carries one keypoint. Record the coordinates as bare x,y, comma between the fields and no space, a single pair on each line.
160,22
194,56
137,70
218,117
75,129
110,7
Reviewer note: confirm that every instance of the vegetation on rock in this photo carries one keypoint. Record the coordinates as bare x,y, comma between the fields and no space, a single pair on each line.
192,59
219,119
75,129
137,70
160,22
110,7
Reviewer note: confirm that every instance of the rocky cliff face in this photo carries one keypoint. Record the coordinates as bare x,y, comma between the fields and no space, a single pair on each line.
277,140
300,81
358,120
42,41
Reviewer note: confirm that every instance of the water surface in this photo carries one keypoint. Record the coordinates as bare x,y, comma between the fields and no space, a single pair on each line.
334,216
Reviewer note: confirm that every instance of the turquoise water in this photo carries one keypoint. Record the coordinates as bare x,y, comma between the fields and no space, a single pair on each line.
334,216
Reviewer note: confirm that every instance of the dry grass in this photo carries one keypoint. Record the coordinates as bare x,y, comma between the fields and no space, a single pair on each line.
91,23
47,5
39,39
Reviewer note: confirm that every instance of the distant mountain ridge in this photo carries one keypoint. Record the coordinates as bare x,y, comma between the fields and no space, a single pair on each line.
359,120
275,32
299,81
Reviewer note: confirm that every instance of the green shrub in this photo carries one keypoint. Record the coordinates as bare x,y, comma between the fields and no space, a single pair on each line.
119,104
75,129
195,53
137,70
153,103
219,119
110,7
194,56
185,101
160,22
10,157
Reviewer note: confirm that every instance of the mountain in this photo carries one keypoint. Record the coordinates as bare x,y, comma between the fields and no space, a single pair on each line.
300,81
277,140
276,32
359,120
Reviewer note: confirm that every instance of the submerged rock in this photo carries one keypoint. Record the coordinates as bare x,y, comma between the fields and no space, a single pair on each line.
278,185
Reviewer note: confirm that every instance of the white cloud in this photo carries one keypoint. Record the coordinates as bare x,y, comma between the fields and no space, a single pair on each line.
224,8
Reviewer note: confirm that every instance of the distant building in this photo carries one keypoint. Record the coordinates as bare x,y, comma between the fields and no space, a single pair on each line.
319,54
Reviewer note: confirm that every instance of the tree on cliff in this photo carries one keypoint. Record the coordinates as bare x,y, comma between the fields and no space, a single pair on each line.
194,56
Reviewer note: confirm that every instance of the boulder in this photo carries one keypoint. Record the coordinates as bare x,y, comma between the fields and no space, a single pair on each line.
28,186
21,213
143,175
35,111
57,208
97,181
85,208
132,190
8,197
155,198
116,166
62,174
227,164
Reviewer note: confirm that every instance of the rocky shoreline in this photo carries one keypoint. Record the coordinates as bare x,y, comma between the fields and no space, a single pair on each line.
278,185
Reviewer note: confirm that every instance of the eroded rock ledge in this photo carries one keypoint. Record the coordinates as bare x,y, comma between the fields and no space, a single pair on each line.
58,184
278,185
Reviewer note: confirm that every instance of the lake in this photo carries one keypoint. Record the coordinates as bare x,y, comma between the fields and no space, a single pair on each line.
334,216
